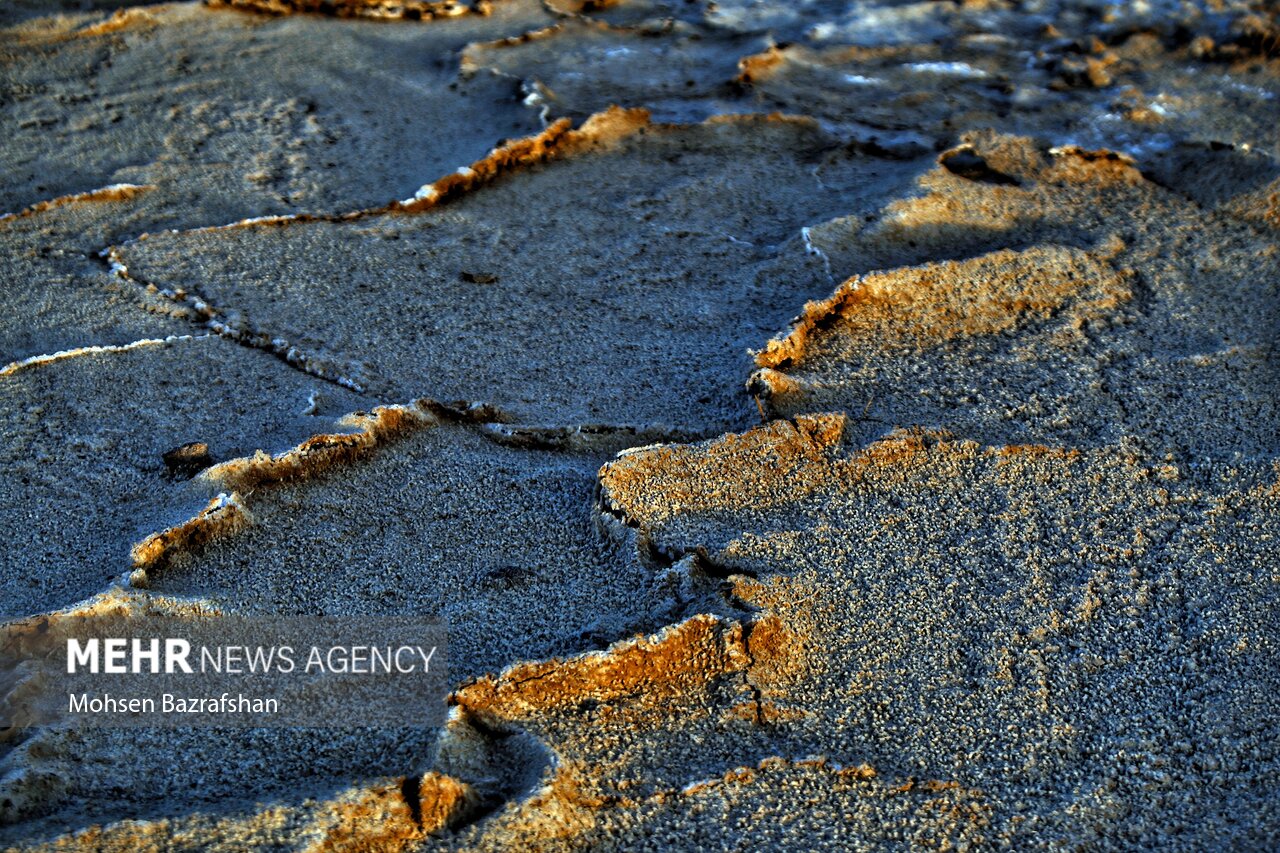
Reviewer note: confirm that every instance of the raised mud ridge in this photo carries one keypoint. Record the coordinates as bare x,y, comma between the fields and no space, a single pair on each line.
114,192
381,10
227,513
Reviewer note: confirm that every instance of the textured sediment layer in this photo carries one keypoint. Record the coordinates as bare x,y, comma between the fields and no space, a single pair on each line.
690,232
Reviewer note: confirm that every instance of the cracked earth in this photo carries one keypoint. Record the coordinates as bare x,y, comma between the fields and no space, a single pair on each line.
822,425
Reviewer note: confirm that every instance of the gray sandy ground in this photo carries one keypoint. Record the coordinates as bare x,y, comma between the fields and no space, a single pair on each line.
689,233
678,71
1068,677
443,522
249,116
212,117
1149,322
102,467
58,294
998,570
20,11
1137,96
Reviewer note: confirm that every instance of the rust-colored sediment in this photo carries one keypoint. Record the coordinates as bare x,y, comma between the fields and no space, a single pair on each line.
1103,167
920,307
322,452
558,140
467,63
739,776
505,158
803,121
34,637
580,7
760,66
383,10
781,463
223,516
121,19
599,131
738,468
381,818
228,513
443,802
114,192
1010,452
115,603
765,65
384,817
654,669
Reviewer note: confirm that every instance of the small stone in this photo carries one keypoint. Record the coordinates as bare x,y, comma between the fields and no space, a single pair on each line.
188,460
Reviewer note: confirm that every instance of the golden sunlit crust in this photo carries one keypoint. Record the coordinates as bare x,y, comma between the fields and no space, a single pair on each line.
1073,164
580,7
121,19
760,65
322,452
224,515
675,659
387,10
468,64
558,140
993,562
228,513
926,306
115,192
381,819
744,469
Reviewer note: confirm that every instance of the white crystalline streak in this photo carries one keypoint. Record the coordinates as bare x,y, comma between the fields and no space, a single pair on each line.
815,251
952,69
254,220
113,188
696,785
534,97
239,223
822,32
224,500
109,188
427,192
1256,91
32,361
630,450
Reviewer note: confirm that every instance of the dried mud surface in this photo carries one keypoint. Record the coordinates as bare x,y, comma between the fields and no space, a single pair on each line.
823,425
